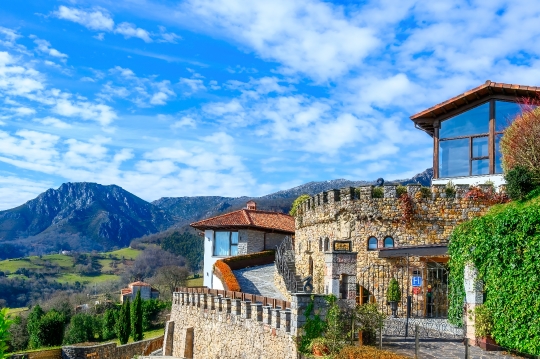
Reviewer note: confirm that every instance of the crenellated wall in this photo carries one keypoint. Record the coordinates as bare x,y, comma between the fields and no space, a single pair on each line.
219,327
354,215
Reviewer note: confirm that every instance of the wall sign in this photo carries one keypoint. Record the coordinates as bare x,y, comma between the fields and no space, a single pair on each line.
342,246
416,281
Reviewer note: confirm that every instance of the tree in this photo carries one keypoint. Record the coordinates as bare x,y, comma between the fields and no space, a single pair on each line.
520,144
34,319
19,334
150,260
79,330
5,323
170,277
297,202
123,324
137,318
109,320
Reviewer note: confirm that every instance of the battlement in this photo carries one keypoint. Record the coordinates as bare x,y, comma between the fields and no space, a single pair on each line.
365,194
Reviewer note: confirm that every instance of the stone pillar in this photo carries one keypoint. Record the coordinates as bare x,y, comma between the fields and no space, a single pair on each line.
226,304
267,314
168,340
299,303
286,320
256,311
236,306
210,302
474,296
217,301
204,299
366,192
183,298
333,196
340,278
347,194
412,189
246,309
276,319
198,300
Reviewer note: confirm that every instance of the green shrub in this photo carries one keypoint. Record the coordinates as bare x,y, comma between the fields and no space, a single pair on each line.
425,192
504,246
393,293
519,182
108,324
400,191
377,192
450,190
369,320
297,202
80,329
483,322
313,328
5,323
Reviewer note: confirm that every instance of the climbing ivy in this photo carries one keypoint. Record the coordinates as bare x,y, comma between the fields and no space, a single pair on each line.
504,245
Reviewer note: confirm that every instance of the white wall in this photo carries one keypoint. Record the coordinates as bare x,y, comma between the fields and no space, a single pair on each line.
209,260
472,180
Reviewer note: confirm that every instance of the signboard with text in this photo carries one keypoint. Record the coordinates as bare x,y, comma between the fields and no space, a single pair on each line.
416,281
342,246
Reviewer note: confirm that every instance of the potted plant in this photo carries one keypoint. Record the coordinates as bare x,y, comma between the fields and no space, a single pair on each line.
319,347
483,326
393,296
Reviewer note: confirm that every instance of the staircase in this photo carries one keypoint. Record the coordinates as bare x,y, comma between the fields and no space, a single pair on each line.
285,266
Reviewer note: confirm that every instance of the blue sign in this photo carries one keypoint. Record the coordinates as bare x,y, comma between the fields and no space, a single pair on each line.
416,281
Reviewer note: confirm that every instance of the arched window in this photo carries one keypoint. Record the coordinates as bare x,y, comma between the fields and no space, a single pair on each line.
388,242
372,244
320,244
326,244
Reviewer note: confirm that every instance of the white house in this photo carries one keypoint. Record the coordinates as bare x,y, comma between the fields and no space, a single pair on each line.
241,232
147,292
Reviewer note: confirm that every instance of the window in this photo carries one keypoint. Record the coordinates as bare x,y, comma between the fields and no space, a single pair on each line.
225,244
326,244
464,140
372,244
388,242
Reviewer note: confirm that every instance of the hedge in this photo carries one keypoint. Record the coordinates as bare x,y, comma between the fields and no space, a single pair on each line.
226,275
223,268
504,245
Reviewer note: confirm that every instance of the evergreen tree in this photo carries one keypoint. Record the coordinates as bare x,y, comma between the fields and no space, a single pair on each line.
137,318
34,319
123,324
5,323
109,320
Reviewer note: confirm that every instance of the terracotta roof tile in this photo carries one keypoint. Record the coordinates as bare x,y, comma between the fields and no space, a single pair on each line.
139,284
246,218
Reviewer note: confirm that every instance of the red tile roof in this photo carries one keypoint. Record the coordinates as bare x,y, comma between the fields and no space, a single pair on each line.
126,291
139,284
425,119
248,218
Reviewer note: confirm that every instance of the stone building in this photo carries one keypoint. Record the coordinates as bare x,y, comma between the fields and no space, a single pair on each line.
353,241
147,292
241,232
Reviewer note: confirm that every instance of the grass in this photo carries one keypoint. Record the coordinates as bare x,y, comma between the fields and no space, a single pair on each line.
15,311
195,282
60,268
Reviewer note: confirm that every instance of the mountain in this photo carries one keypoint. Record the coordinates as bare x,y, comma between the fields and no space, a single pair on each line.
79,216
191,209
89,216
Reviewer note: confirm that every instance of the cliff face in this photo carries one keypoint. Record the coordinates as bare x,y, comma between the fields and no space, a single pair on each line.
82,216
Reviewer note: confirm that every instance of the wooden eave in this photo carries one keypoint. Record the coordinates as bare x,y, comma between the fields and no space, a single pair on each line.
427,119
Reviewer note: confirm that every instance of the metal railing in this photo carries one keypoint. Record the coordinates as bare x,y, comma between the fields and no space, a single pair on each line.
284,263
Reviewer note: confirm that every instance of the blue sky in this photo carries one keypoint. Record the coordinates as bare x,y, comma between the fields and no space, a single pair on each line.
234,97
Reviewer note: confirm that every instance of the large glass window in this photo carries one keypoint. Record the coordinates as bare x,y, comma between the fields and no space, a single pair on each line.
471,122
464,139
505,112
454,158
225,244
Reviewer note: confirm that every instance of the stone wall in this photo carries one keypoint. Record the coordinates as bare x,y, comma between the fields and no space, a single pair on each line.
226,329
253,241
350,214
111,350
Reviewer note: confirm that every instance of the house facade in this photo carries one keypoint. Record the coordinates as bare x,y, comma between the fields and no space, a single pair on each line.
147,292
352,243
241,232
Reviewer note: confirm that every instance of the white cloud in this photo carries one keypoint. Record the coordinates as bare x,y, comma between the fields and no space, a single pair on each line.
100,36
14,190
95,19
183,122
54,122
193,85
130,30
168,36
44,46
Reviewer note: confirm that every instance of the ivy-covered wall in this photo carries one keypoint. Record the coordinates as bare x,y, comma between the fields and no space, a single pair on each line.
504,245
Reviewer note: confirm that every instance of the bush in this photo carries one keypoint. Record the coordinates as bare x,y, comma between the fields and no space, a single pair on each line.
520,144
450,190
400,191
393,293
503,245
369,320
313,328
5,323
377,192
519,182
297,202
80,329
425,192
483,322
366,352
109,320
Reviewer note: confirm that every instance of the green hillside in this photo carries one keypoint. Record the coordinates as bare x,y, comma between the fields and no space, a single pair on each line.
93,268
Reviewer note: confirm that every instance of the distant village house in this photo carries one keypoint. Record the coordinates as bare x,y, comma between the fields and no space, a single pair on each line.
147,292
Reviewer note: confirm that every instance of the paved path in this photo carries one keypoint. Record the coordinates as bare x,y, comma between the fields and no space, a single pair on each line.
258,280
440,349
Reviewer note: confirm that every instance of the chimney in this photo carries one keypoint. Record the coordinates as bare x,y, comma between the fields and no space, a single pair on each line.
251,205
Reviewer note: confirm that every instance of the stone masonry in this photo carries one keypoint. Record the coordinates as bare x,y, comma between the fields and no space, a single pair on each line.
227,328
353,215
